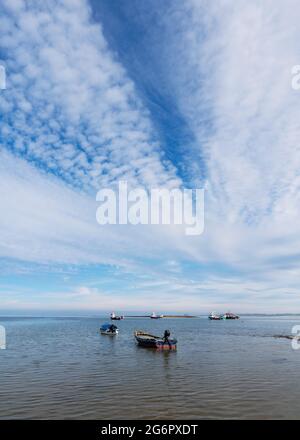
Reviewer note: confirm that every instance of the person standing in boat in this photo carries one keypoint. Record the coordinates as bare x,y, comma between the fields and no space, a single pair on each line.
166,337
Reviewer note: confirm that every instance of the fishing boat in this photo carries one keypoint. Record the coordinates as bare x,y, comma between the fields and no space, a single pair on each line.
229,315
214,317
145,339
109,329
154,316
114,317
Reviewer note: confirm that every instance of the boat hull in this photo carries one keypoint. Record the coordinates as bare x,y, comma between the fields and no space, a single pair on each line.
230,317
105,332
149,341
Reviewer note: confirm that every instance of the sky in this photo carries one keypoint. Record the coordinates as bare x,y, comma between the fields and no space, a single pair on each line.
193,94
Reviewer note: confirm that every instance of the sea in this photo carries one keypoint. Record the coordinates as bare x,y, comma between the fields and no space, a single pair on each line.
63,368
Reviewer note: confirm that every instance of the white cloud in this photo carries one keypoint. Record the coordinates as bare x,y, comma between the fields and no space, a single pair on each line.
44,221
69,105
234,88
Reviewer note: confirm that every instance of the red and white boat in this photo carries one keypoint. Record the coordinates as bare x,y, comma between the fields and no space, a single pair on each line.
230,315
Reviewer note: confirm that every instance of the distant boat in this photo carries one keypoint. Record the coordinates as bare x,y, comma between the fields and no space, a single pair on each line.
229,315
214,317
109,329
154,316
116,318
150,341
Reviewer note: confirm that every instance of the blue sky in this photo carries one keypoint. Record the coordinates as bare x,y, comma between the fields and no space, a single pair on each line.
168,94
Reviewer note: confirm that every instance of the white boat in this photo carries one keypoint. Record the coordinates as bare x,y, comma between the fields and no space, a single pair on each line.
114,317
214,317
109,329
154,316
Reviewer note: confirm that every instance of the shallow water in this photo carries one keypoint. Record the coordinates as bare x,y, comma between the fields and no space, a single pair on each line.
63,368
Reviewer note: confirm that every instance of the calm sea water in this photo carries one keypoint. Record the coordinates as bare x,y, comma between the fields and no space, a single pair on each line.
63,368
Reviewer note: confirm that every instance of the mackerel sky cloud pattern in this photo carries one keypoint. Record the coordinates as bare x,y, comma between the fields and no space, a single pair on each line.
70,107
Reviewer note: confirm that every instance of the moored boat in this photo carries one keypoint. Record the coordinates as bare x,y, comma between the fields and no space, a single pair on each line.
154,316
114,317
145,339
229,315
109,329
214,317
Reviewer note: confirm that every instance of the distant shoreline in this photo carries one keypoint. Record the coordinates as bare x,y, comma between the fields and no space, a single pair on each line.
102,316
180,316
162,317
